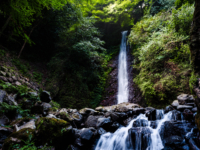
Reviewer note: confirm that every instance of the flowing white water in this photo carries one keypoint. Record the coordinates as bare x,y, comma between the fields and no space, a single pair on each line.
118,140
122,72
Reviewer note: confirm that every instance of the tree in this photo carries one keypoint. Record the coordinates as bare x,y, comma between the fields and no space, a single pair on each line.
195,38
22,13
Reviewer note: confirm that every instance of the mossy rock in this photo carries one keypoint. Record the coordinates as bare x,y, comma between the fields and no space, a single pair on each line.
19,138
55,132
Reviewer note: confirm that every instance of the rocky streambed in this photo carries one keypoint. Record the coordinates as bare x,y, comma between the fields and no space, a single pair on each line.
87,129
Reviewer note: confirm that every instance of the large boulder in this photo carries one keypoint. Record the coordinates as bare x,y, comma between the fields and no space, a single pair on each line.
92,121
74,116
103,123
45,96
86,134
19,137
41,108
151,113
53,131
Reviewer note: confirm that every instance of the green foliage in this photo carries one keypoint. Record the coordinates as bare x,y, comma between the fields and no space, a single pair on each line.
163,54
24,13
78,63
2,52
37,76
20,90
20,66
179,3
6,108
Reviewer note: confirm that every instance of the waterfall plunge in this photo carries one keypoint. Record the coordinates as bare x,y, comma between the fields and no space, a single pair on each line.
118,140
122,72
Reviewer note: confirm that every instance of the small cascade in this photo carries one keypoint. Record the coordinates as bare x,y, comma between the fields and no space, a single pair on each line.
122,72
138,135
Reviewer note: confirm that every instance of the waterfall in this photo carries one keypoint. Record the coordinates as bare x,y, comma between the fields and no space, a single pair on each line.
122,72
139,131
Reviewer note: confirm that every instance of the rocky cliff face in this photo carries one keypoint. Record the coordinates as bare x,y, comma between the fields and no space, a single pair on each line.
135,95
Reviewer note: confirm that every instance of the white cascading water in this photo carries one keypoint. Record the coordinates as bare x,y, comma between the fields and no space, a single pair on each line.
122,72
118,140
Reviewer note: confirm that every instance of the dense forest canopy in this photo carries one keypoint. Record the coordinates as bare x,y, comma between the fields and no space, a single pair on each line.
76,39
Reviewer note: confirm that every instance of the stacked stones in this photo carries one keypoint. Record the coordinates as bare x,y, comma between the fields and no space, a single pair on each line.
14,78
185,101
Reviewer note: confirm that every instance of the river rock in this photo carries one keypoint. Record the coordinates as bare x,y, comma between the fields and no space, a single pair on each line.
2,95
168,108
182,97
138,111
176,115
175,103
45,96
193,145
86,134
115,126
151,113
182,107
76,117
86,111
176,128
101,131
92,121
188,115
194,109
114,116
122,107
140,123
104,123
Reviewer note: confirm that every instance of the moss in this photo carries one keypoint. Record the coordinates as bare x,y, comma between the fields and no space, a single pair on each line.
21,137
50,129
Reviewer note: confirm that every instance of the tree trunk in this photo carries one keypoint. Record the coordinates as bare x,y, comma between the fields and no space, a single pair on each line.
26,40
5,25
195,38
